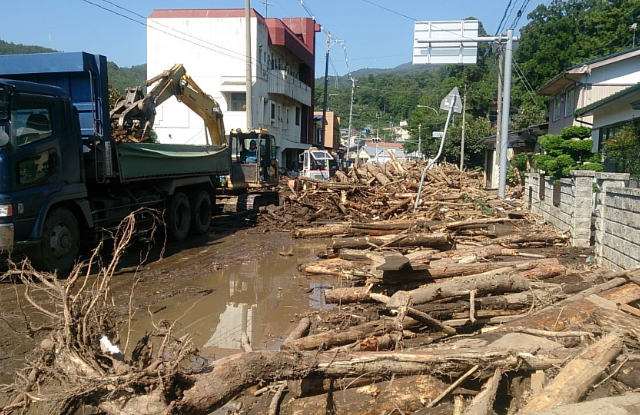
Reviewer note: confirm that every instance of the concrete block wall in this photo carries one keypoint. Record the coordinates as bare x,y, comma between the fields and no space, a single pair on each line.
601,209
573,212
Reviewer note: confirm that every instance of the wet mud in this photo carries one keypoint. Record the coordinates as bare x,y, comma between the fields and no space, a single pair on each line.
213,287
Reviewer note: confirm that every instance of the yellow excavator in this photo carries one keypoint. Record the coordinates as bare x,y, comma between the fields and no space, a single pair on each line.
133,116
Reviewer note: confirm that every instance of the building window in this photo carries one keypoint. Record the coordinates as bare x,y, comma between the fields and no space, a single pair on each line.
238,101
298,115
557,107
273,113
570,103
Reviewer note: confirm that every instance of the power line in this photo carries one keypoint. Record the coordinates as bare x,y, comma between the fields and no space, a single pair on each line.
504,16
520,13
391,11
240,55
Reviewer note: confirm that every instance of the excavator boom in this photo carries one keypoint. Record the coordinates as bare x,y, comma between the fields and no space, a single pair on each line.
133,117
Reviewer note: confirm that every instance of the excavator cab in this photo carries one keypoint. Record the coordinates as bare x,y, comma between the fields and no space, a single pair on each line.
253,159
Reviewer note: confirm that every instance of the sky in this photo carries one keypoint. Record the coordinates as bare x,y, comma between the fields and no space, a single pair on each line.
375,33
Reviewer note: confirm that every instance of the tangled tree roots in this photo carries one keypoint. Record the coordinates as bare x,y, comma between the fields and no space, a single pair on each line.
71,369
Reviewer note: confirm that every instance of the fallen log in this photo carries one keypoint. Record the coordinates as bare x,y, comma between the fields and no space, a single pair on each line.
463,285
577,309
407,393
462,224
420,272
299,331
482,404
333,338
421,239
577,376
418,315
380,177
347,295
628,404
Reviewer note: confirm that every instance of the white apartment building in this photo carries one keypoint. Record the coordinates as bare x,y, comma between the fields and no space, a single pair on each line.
211,45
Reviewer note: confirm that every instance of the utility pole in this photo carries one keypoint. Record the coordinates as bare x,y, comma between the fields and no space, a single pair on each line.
420,141
326,85
506,104
464,110
496,157
378,129
266,8
353,87
249,79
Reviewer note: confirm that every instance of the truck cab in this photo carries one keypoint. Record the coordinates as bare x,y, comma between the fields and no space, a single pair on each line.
40,160
65,180
317,163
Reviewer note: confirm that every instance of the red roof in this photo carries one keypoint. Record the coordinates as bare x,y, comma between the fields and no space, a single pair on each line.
381,144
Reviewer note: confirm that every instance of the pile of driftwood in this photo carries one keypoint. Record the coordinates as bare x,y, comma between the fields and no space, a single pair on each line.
441,321
378,191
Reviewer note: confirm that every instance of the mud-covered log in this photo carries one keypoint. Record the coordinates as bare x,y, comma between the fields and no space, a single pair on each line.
628,404
299,331
342,177
328,230
482,404
347,295
576,311
380,177
337,338
577,376
463,285
462,224
408,393
422,272
421,239
420,316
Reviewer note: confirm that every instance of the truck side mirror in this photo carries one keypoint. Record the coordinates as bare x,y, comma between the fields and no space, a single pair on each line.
4,138
4,111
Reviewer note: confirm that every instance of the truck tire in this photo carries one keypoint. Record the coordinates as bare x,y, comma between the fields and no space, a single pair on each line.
60,243
178,216
201,212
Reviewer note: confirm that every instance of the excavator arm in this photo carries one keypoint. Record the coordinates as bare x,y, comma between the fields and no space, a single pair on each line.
133,117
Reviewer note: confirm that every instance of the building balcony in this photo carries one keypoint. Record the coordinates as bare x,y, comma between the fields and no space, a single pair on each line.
283,84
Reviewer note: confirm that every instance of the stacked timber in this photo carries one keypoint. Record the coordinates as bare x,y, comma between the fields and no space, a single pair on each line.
376,192
461,306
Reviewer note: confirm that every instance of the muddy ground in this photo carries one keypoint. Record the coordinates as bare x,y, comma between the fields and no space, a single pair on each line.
237,277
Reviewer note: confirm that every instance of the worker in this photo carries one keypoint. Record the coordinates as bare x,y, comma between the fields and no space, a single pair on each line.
250,155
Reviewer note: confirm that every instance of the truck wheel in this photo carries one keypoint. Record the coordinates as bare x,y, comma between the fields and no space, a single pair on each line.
178,217
201,211
59,245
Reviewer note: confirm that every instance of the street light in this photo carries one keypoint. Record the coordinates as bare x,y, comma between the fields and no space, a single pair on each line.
420,129
426,106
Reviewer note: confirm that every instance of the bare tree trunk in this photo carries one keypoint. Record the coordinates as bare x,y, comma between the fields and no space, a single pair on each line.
577,376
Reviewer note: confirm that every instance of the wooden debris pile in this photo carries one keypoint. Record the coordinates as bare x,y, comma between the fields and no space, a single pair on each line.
387,191
460,315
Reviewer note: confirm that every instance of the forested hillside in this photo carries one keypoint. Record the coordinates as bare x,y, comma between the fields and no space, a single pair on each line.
119,78
557,36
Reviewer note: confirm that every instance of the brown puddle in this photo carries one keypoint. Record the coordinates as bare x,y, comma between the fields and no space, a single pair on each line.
213,306
260,298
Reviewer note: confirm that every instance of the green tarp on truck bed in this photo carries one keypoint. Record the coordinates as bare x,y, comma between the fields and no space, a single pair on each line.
140,161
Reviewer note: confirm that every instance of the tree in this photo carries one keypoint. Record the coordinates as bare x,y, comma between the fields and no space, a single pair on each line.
566,33
624,149
571,150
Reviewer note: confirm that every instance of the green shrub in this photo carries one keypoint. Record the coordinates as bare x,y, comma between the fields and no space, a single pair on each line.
519,161
564,153
574,131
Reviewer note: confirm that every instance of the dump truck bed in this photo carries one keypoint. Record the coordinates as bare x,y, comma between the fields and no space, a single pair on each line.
141,161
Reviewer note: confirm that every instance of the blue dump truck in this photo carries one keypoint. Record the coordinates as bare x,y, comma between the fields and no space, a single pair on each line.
65,180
